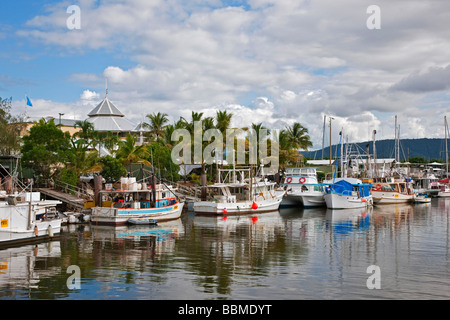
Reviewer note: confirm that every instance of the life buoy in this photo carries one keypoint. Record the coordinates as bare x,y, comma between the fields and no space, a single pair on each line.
289,180
377,187
302,180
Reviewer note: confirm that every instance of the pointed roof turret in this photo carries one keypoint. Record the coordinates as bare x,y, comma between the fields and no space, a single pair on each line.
106,108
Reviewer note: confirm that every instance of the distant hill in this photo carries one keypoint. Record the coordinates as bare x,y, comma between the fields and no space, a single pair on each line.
426,148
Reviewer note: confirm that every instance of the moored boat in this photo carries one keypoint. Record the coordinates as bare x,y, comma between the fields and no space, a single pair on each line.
390,190
302,188
249,195
347,193
422,198
117,207
26,218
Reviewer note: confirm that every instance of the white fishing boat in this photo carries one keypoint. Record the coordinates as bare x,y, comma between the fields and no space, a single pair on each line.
441,187
117,207
24,218
347,193
247,195
422,198
390,190
344,192
302,188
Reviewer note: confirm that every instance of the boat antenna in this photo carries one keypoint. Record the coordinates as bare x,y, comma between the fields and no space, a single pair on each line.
337,157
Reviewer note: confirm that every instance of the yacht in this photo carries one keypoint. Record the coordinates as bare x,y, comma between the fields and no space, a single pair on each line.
240,193
302,188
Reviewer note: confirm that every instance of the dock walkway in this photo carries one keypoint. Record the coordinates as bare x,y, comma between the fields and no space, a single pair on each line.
64,197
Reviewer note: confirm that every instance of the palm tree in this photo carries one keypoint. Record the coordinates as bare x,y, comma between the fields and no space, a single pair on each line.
87,130
287,154
129,152
298,137
170,128
157,123
223,120
82,159
258,128
108,140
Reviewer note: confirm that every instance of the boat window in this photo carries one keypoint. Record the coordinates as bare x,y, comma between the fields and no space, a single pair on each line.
386,188
394,187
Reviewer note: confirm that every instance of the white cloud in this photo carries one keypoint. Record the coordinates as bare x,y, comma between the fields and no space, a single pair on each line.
88,95
295,60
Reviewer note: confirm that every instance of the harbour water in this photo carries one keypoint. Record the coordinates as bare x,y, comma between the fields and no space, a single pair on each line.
285,255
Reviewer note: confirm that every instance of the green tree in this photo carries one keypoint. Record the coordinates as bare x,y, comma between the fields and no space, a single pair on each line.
170,128
298,137
112,169
45,149
162,160
287,153
82,158
129,152
157,124
223,120
417,160
87,131
10,128
108,140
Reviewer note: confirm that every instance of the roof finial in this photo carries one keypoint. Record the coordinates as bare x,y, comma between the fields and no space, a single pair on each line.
106,85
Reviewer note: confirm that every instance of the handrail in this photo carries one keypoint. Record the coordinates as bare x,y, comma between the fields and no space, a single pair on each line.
69,188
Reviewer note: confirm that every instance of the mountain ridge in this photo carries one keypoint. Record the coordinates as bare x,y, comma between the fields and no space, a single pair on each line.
428,148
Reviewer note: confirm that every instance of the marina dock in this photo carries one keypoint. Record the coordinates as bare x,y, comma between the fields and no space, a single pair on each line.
67,198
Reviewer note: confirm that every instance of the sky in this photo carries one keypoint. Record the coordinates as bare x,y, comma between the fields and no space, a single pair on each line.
275,62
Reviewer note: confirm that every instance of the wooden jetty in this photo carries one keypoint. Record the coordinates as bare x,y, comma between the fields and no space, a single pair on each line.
64,197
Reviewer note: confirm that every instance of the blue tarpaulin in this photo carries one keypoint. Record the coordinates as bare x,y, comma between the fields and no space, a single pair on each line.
343,187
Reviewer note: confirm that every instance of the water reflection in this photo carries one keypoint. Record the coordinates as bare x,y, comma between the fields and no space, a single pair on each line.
293,253
28,267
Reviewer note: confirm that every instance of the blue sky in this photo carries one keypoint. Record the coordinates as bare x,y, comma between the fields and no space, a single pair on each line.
274,62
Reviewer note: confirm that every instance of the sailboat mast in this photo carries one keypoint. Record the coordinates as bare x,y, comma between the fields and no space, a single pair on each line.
395,140
323,134
30,207
374,155
342,152
446,147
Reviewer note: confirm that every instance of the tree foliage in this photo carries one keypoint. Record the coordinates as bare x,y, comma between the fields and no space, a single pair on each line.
10,128
112,169
45,149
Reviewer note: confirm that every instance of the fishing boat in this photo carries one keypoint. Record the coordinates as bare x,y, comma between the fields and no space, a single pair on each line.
246,195
26,218
422,198
302,188
138,201
441,187
347,193
390,190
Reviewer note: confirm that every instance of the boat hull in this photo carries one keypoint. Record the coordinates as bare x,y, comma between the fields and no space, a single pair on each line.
14,226
117,217
243,207
443,194
307,199
339,201
384,197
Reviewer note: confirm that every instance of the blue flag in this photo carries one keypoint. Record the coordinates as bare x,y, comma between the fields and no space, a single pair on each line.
29,102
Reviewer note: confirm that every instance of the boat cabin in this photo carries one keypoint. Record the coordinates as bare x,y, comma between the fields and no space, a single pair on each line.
138,199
